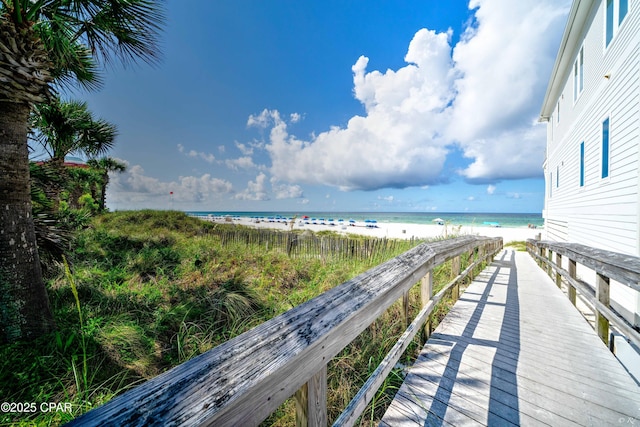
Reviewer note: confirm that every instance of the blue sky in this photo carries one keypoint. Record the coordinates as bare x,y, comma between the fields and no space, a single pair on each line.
332,105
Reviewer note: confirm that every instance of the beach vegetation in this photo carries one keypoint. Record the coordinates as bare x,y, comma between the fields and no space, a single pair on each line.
140,292
68,127
105,165
518,245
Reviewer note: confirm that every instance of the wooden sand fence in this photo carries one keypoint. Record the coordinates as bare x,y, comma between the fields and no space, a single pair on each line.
242,381
311,245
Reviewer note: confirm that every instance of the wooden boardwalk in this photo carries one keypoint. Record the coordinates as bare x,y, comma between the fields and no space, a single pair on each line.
514,351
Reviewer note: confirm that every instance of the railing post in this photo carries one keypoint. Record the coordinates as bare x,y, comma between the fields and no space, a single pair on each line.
602,295
539,251
573,275
558,266
455,271
405,309
311,401
426,292
550,258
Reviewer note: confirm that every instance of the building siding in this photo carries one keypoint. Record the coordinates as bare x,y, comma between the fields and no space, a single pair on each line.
605,211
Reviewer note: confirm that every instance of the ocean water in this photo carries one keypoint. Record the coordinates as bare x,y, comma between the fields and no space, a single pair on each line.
453,218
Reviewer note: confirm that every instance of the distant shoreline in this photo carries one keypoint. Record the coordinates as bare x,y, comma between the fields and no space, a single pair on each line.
395,230
471,219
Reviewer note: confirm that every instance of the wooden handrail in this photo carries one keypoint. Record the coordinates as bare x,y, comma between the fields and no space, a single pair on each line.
607,265
242,381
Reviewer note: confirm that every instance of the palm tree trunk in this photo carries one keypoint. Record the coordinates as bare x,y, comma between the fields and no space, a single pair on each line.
55,187
25,312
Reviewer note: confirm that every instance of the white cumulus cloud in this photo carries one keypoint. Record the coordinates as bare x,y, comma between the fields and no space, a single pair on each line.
481,95
285,191
245,162
207,157
256,190
244,149
135,187
504,64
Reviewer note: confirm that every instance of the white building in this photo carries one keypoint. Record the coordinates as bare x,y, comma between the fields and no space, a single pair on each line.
592,110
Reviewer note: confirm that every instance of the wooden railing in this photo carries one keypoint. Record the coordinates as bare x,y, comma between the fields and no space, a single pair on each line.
241,382
608,266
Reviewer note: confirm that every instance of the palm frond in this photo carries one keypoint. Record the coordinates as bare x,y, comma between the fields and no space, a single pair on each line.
72,61
66,127
79,35
127,28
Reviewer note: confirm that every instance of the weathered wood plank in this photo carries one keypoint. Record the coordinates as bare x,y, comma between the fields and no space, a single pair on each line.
311,401
484,389
589,295
495,351
620,267
602,295
406,414
572,275
426,292
584,387
550,405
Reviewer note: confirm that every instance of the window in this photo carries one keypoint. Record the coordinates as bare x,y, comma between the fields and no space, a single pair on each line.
578,75
557,176
615,12
581,70
622,10
582,164
605,148
558,113
550,183
575,80
609,23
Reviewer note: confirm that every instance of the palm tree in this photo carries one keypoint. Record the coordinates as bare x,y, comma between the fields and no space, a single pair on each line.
106,165
68,127
44,43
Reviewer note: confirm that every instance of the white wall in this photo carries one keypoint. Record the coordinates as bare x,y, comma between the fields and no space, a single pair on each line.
604,212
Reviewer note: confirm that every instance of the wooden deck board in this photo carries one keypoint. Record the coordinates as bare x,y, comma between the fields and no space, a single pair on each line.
538,400
514,351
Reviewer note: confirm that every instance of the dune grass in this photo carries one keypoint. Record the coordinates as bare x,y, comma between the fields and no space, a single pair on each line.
145,291
519,245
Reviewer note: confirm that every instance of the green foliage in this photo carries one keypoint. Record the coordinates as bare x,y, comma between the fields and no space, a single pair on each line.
67,127
80,377
517,245
79,35
145,291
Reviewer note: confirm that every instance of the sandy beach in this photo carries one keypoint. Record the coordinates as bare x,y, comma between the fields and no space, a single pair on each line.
395,230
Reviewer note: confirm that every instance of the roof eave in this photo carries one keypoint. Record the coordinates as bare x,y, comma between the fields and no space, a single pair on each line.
578,15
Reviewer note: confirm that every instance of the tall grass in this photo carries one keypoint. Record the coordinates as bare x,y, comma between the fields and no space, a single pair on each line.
145,291
80,379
